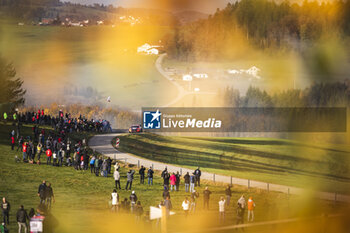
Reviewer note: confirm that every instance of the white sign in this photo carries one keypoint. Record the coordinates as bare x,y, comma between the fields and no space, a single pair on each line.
36,226
156,212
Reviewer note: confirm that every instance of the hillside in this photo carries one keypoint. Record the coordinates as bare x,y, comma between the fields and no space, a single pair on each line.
185,17
270,160
82,198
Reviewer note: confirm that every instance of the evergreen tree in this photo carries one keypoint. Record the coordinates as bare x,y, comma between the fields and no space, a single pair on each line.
11,86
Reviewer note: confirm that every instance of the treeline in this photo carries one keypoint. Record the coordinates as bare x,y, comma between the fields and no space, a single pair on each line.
35,10
317,95
263,23
118,118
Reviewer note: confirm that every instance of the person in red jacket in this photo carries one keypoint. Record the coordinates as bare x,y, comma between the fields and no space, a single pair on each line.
24,149
12,142
49,156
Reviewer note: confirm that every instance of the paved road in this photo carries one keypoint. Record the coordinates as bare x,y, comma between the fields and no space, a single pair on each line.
181,90
102,144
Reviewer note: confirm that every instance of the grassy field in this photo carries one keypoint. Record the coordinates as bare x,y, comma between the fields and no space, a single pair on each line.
323,167
82,198
73,59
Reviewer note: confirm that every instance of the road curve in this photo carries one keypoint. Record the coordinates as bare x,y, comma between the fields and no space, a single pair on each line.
181,90
102,143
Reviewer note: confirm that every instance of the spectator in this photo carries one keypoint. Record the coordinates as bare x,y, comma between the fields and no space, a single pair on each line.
177,182
197,173
168,206
96,166
228,193
42,192
164,172
166,193
5,207
49,196
166,178
142,174
92,164
115,201
5,117
206,197
69,161
20,143
54,158
31,213
129,179
116,176
12,142
186,206
241,203
133,199
138,211
3,228
222,210
100,162
251,207
125,205
109,165
22,218
160,206
116,166
187,182
150,176
172,181
240,214
24,149
192,182
105,168
39,150
48,156
194,196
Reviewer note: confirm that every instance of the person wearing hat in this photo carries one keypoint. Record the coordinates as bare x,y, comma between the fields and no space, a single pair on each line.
133,200
251,207
3,228
198,174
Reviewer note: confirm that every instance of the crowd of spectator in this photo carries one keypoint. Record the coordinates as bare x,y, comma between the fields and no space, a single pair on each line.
57,147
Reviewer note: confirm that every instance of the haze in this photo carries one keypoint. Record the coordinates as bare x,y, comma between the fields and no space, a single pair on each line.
207,6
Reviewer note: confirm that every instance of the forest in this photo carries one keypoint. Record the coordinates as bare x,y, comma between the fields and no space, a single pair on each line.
264,24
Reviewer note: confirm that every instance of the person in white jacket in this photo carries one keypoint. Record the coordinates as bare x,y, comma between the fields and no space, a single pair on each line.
222,209
186,206
116,176
115,200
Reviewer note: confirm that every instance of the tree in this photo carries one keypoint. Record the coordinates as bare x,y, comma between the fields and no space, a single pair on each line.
11,87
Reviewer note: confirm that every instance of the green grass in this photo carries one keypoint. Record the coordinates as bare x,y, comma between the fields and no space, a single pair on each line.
277,161
82,198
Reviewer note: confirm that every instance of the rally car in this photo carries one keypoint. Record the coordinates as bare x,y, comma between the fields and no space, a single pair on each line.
135,129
